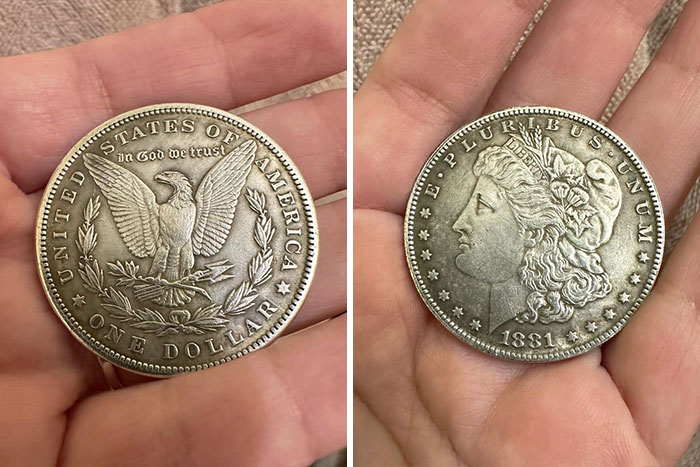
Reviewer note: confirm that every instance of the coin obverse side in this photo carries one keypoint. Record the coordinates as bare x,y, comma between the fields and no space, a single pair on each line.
534,233
176,237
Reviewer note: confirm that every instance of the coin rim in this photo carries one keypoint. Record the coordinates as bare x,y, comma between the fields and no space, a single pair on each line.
81,334
450,324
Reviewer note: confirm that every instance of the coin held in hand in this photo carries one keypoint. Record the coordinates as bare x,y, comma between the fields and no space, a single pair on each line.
176,237
534,233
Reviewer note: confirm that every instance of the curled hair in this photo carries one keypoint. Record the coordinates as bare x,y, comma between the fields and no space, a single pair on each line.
561,277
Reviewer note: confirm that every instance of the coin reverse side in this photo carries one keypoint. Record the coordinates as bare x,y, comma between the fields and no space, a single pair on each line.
534,233
176,237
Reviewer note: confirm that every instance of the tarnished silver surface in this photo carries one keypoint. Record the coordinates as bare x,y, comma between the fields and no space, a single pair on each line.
176,237
534,233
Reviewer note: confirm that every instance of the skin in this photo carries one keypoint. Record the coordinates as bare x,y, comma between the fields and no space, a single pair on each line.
421,396
283,404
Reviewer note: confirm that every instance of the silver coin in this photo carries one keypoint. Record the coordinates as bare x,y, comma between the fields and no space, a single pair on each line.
534,233
176,237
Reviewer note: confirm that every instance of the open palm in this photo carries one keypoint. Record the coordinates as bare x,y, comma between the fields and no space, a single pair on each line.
285,403
422,396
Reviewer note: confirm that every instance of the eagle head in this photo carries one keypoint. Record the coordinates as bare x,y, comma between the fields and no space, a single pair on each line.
170,177
181,185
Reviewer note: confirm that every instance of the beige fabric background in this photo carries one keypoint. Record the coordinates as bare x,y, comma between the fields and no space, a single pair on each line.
375,22
34,25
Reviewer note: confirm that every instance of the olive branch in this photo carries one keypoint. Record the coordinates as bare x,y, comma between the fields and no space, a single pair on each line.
260,267
151,288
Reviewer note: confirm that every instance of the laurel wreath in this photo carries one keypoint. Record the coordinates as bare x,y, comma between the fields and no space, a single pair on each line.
260,267
204,319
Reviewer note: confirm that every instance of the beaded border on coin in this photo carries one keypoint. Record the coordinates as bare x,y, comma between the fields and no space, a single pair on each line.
443,316
76,151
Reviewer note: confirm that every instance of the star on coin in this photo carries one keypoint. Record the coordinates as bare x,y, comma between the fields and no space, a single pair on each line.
609,314
426,255
458,311
635,279
433,275
444,295
425,213
475,324
283,288
78,300
643,257
423,234
592,326
572,336
624,297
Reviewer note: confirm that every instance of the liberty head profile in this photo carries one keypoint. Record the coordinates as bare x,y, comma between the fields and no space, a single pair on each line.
532,226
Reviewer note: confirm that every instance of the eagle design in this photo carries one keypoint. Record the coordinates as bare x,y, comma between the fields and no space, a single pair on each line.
188,224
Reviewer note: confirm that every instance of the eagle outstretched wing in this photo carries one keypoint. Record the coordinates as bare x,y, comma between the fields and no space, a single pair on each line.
217,197
132,203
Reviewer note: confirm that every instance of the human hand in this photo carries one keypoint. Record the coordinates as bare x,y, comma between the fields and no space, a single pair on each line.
422,396
283,404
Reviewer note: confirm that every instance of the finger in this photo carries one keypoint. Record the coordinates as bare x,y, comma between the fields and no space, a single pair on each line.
327,296
34,338
17,218
437,72
378,240
413,347
224,55
313,133
655,361
661,115
576,56
385,303
373,443
660,118
284,404
37,352
574,399
532,413
310,130
385,368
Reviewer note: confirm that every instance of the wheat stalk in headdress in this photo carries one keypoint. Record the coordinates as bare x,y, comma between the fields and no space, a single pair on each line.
539,151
